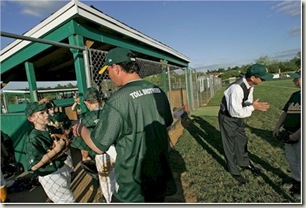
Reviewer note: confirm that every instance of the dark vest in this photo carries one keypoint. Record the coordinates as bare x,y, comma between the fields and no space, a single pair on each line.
223,105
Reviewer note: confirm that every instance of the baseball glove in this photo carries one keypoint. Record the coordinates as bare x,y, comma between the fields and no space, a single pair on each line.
283,136
61,136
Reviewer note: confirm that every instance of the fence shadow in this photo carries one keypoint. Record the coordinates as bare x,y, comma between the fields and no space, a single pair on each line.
206,135
178,167
266,136
210,139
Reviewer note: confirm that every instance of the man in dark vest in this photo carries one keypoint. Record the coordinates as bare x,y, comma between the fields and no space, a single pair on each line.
237,104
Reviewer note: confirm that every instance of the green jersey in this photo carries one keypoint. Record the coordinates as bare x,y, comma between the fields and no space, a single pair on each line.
38,144
293,108
90,120
135,120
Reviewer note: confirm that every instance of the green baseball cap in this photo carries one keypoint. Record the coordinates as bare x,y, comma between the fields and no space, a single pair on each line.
61,118
295,74
35,107
91,93
258,70
116,56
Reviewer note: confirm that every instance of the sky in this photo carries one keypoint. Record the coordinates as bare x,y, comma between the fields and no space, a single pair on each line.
212,34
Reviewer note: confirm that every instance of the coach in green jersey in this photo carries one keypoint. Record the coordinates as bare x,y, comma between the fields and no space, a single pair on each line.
135,119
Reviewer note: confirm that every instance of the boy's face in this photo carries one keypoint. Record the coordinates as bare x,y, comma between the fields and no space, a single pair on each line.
40,117
297,82
51,111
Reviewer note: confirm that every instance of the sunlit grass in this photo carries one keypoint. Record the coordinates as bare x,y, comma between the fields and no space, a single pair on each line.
199,153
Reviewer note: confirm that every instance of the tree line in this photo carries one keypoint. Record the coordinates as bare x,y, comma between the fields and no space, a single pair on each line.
274,66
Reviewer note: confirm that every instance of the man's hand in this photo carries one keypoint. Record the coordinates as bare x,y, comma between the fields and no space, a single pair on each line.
276,132
261,106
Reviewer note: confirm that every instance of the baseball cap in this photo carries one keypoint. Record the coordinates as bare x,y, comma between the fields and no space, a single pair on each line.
35,107
61,118
116,56
91,93
295,74
258,70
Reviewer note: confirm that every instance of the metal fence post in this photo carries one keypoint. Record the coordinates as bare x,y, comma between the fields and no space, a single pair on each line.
87,68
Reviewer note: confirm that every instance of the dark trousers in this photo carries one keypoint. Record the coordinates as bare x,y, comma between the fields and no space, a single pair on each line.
234,142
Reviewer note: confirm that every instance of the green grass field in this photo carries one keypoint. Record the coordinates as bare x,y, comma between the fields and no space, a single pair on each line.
198,155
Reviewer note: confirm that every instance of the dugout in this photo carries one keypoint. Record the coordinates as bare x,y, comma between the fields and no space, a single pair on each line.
64,47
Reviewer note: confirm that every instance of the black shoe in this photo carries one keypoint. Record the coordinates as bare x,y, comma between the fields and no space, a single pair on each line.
256,171
240,179
295,188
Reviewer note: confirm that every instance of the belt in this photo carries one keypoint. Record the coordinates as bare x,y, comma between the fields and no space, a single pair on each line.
225,113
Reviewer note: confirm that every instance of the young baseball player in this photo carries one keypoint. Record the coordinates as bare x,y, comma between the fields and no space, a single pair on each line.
104,162
77,108
46,156
290,122
59,124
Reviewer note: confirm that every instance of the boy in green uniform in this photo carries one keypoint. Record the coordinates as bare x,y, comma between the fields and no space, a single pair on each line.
90,120
135,120
47,157
290,121
59,124
104,162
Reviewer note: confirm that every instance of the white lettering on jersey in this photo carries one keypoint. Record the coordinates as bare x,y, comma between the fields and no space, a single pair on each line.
294,108
136,94
146,91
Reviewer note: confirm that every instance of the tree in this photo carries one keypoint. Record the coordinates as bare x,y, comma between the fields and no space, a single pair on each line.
274,67
59,86
70,85
297,60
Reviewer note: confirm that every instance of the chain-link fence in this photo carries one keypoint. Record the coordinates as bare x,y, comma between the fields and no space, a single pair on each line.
150,70
175,82
205,87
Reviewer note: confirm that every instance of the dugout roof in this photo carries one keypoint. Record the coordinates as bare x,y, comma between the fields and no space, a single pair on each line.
81,25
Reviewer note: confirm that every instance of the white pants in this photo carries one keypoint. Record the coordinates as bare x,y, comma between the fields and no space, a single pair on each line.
57,185
69,161
106,171
293,156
